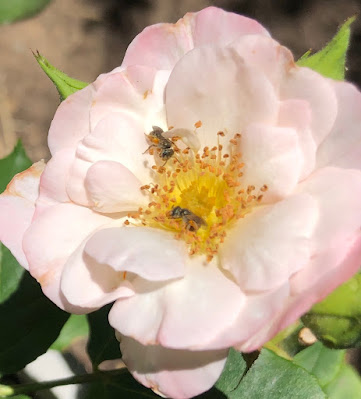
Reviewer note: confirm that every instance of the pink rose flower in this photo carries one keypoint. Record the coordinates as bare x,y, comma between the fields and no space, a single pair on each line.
216,230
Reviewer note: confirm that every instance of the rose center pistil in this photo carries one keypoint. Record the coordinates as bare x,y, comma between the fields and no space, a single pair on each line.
199,196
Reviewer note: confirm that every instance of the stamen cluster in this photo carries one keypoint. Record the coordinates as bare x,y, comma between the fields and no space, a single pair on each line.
206,188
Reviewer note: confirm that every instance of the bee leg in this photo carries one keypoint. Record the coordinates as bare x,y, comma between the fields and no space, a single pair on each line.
153,145
175,146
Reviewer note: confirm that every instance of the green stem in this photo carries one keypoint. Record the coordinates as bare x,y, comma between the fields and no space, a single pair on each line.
77,379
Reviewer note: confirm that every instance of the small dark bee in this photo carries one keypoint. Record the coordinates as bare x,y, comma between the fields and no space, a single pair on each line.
161,143
192,222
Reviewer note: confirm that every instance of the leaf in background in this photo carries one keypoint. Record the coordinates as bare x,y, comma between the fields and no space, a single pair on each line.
10,273
119,386
13,10
274,377
337,379
102,343
76,327
64,84
30,323
331,60
346,385
336,321
287,341
322,362
5,390
14,163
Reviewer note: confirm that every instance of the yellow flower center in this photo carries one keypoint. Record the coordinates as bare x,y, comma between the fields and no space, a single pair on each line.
200,196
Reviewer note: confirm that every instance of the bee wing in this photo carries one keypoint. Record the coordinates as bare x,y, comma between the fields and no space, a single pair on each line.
157,129
199,220
188,137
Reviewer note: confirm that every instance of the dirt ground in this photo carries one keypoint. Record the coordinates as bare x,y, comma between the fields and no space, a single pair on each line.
87,37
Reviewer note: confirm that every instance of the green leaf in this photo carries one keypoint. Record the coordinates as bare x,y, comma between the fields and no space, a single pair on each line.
119,386
10,273
322,362
233,372
336,321
13,10
76,327
331,60
102,343
347,385
64,84
3,390
30,323
14,163
273,377
337,379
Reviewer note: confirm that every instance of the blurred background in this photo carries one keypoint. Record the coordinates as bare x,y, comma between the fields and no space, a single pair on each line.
84,38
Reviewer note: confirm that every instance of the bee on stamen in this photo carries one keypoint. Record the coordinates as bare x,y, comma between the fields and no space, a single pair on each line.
191,221
164,146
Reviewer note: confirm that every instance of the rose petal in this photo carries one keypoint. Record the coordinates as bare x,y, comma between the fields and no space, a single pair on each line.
338,250
317,289
342,147
216,87
272,157
266,55
52,238
137,250
178,314
305,84
225,27
337,192
52,188
297,305
162,45
137,90
258,310
177,374
148,303
119,138
270,244
86,283
17,206
297,115
71,121
113,188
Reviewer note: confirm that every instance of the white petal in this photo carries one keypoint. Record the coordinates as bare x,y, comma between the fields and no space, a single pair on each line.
270,244
342,147
272,157
17,206
216,87
113,188
305,84
88,284
177,374
189,312
150,253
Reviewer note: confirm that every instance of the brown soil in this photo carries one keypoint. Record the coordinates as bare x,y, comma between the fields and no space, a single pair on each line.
86,37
